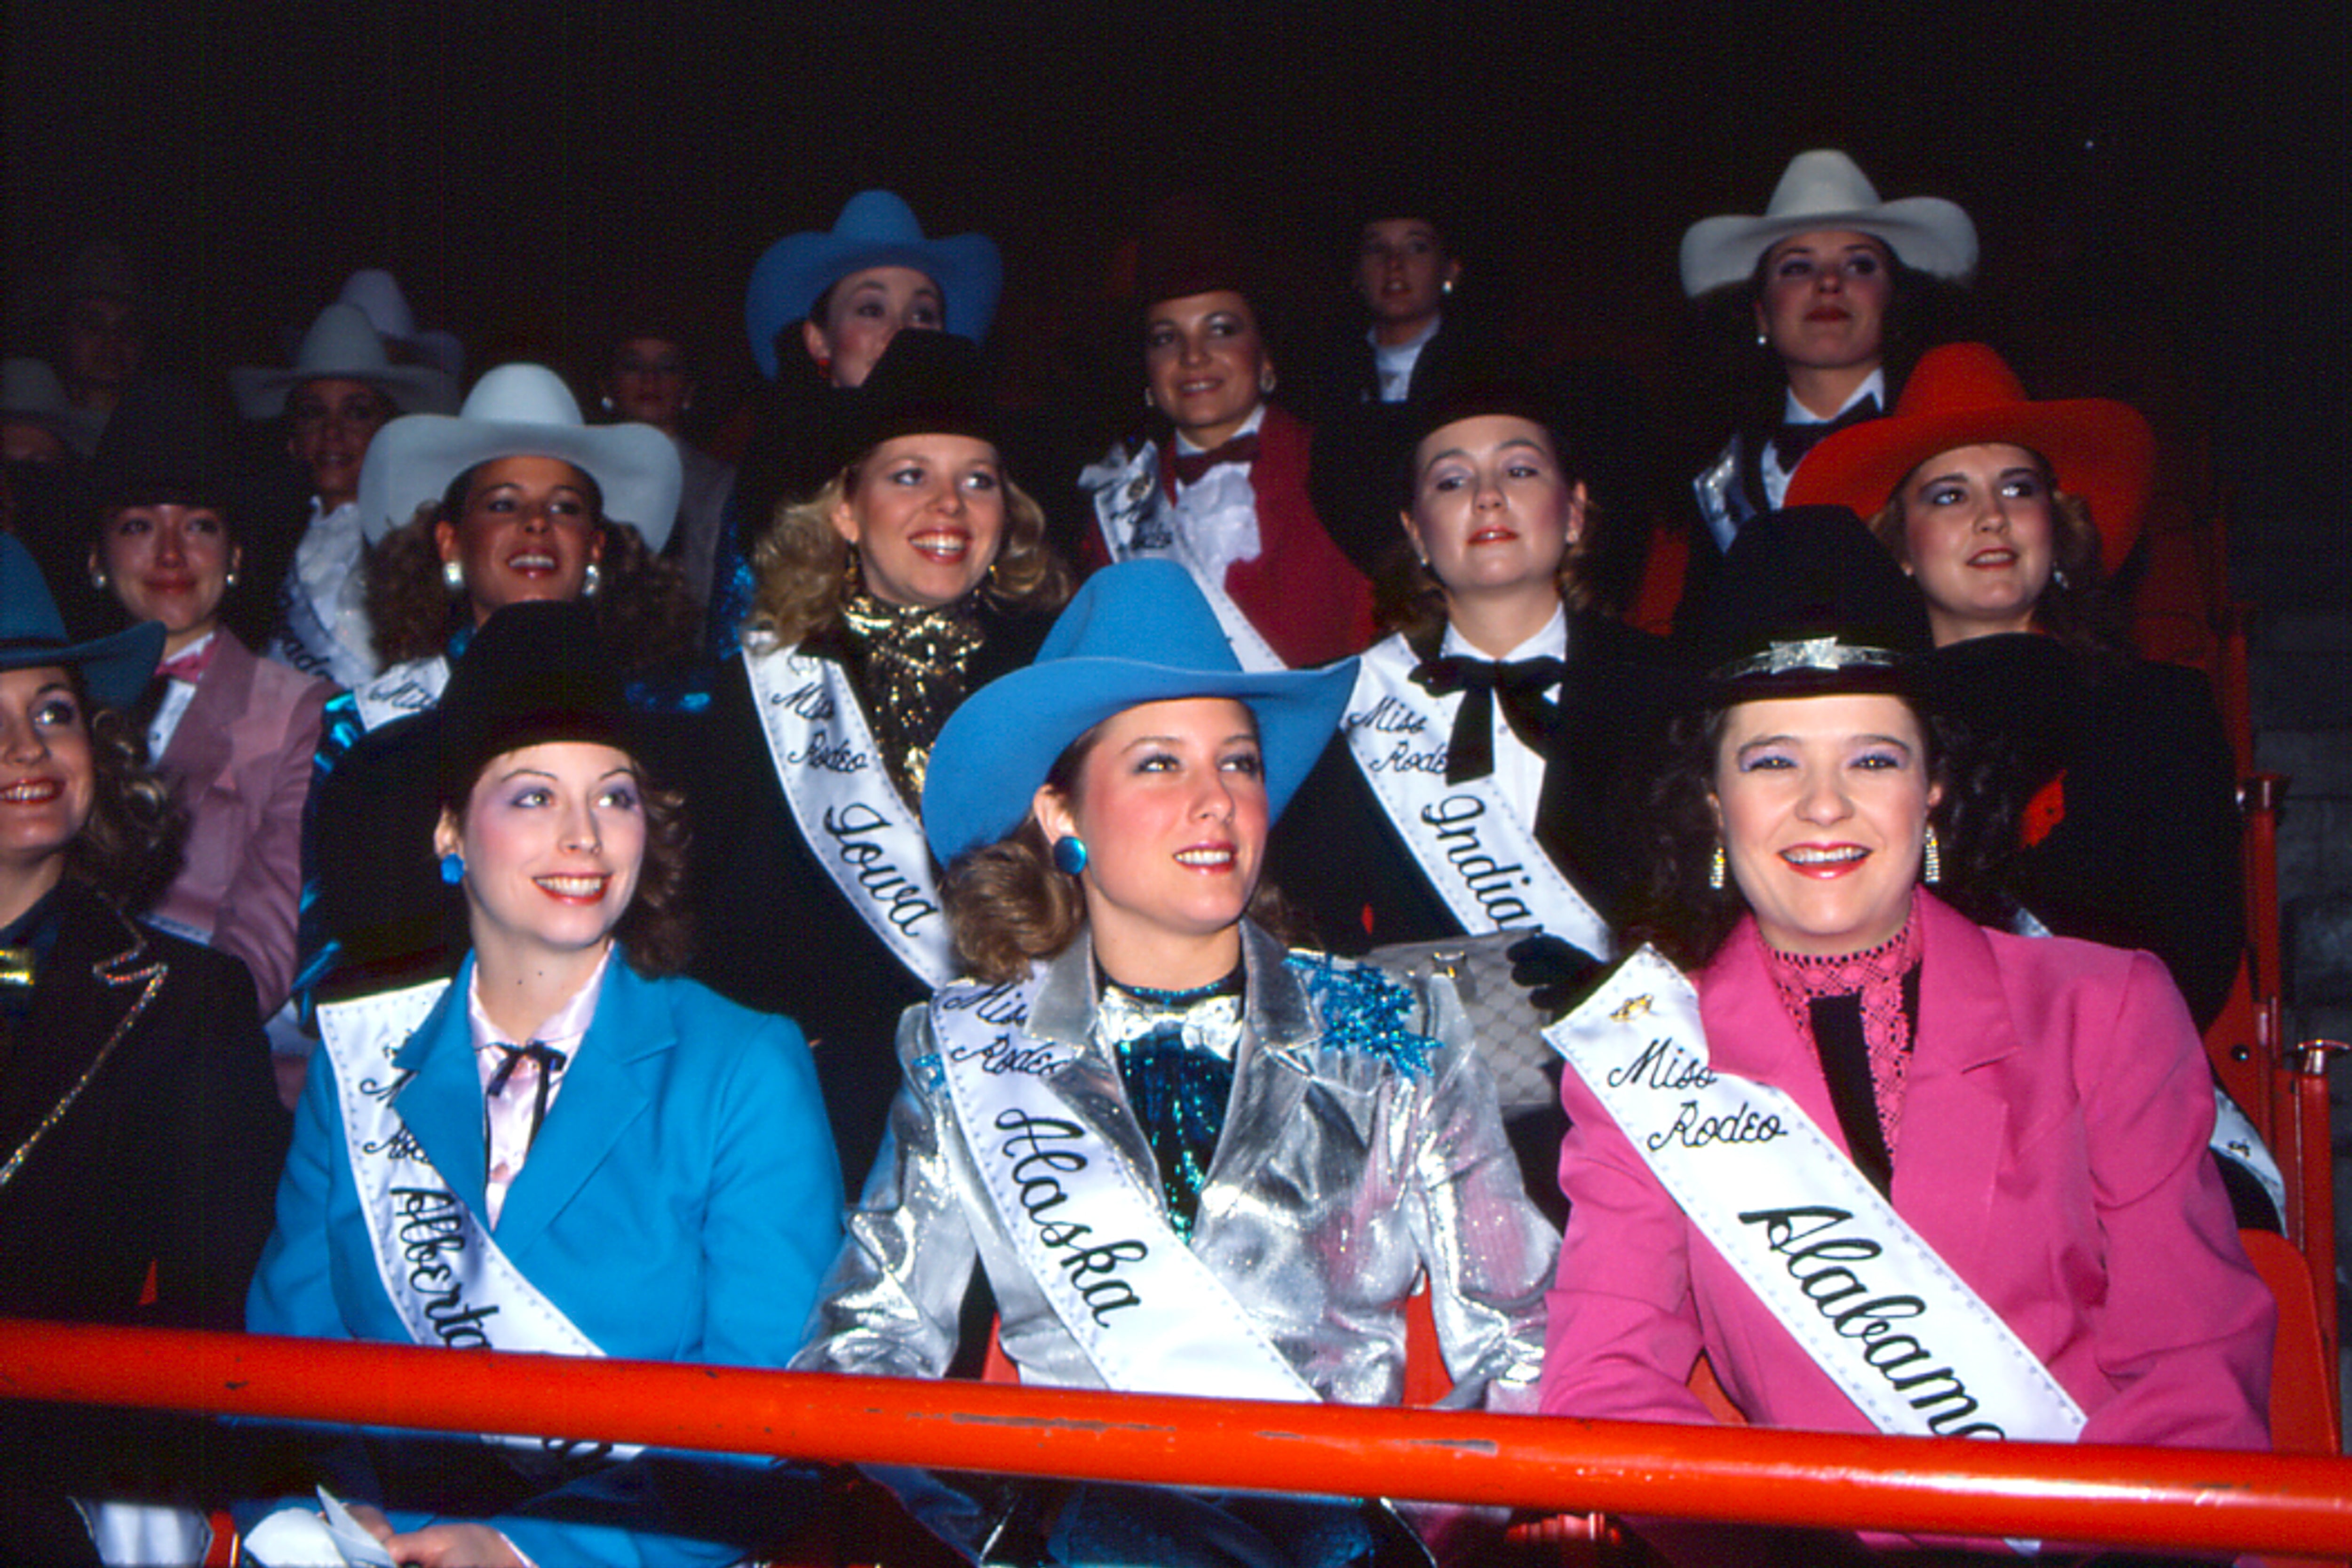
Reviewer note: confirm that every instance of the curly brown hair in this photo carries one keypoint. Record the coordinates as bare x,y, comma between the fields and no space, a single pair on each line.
802,564
2075,605
1009,907
129,850
656,930
1675,910
643,608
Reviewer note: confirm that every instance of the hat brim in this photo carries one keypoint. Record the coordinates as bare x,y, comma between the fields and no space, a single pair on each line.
261,390
787,279
1927,232
2096,449
414,459
996,749
115,667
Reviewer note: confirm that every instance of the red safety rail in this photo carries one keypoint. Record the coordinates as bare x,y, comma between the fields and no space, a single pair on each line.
2149,1497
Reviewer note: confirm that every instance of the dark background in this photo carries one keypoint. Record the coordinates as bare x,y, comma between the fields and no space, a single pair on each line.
2160,187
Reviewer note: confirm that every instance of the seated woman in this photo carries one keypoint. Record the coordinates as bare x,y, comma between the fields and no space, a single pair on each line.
2009,1134
1281,1143
1474,787
1838,292
632,1165
820,307
513,500
234,734
1218,481
342,388
2009,515
915,574
139,1135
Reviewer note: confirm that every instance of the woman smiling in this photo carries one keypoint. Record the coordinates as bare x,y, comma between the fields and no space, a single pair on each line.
1274,1147
1860,1094
916,572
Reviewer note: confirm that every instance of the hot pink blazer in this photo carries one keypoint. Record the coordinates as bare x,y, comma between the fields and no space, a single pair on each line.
2052,1151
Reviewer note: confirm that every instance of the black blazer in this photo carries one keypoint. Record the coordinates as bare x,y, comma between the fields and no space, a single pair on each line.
1342,867
141,1139
773,931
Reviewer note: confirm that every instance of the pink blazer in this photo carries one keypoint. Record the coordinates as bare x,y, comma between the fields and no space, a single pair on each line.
2052,1151
240,763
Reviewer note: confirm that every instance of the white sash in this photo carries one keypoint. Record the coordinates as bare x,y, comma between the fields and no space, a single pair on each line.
1135,519
1902,1336
403,689
1472,848
850,815
1150,1316
439,1266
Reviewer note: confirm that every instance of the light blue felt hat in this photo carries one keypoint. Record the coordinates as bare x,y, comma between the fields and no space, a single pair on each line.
1135,633
876,228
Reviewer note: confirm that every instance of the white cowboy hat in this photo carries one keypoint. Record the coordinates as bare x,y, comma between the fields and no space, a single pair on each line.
342,345
378,293
1824,189
520,411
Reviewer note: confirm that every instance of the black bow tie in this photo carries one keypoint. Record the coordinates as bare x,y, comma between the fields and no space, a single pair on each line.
1794,440
1523,686
550,1062
1191,467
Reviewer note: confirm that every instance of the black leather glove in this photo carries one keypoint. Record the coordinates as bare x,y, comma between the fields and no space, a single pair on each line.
1554,972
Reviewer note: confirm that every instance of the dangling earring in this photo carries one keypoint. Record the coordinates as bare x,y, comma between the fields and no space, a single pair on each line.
453,870
2058,575
1716,869
452,576
1446,288
1147,398
1069,854
590,581
851,578
1931,859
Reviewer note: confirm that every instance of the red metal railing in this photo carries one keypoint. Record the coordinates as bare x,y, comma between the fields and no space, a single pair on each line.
2179,1498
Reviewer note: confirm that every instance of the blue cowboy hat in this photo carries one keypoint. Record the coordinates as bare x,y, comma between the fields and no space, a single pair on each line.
1135,633
876,228
115,668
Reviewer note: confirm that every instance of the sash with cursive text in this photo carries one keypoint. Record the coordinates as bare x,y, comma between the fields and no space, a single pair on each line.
1150,1316
1135,519
403,689
849,814
1905,1338
1473,850
444,1275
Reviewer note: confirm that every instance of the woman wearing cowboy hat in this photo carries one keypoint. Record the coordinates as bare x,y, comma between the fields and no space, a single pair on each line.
1833,286
1264,1149
514,499
139,1136
340,391
615,1161
1891,1169
916,574
821,307
2011,514
234,734
1474,787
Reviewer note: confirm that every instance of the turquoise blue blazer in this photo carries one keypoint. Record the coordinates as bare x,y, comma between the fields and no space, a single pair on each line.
681,1203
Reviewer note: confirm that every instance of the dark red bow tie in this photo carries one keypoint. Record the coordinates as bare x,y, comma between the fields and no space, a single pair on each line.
1192,467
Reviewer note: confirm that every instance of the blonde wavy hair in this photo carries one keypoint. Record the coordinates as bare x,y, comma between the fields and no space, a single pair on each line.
801,564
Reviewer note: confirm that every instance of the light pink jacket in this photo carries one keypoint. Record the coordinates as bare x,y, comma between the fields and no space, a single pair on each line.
239,763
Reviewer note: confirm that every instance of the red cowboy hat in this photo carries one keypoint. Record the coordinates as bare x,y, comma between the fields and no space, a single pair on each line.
1963,395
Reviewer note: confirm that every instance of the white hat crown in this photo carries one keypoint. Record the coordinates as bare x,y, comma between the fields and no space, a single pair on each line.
522,394
1822,181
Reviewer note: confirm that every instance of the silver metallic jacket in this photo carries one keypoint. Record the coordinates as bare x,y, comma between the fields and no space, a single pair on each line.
1338,1179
